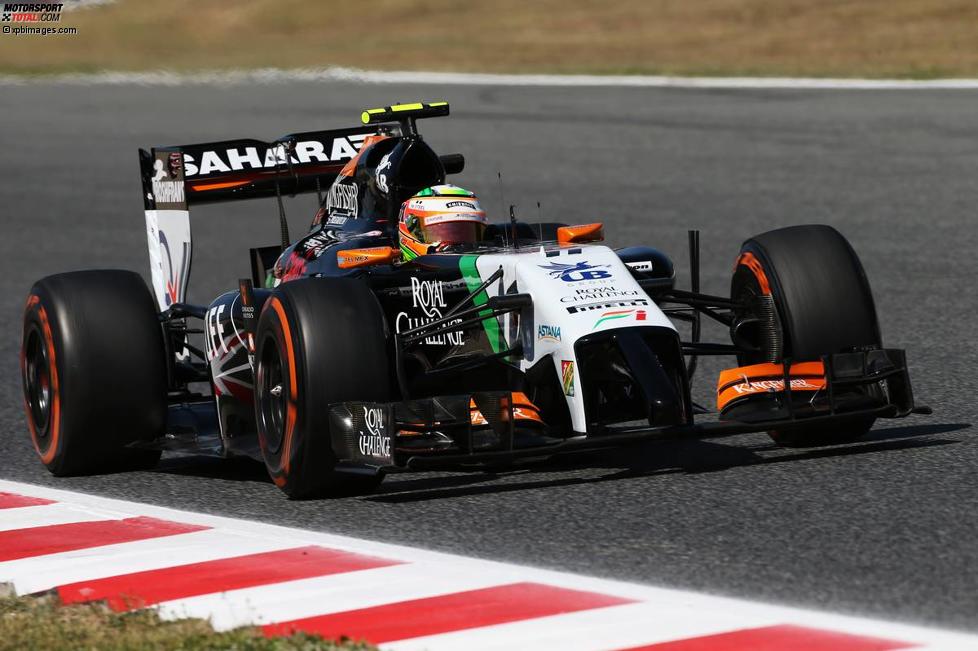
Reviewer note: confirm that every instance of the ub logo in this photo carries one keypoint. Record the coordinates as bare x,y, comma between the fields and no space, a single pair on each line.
572,273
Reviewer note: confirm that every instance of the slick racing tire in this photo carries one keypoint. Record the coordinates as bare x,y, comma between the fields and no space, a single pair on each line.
319,341
822,304
94,371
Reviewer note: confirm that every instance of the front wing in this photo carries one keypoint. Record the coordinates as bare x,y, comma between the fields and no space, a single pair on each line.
372,437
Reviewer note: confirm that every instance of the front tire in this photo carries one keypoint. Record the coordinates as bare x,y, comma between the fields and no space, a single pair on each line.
320,341
822,304
94,371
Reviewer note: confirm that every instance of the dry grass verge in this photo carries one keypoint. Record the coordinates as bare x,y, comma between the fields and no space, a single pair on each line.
843,38
41,624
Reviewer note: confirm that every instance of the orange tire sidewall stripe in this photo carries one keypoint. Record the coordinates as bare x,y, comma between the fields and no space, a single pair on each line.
32,300
748,260
55,430
292,410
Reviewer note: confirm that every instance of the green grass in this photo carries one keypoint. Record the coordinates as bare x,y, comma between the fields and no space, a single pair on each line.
42,624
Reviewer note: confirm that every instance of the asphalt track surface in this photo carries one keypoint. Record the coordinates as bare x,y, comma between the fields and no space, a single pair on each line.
885,527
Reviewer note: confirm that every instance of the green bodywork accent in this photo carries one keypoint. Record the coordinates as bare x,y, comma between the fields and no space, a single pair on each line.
467,266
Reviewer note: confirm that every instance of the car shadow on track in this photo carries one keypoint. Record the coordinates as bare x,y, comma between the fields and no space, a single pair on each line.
654,458
243,470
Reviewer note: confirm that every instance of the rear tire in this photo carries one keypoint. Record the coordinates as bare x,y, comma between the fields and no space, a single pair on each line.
320,341
823,305
94,371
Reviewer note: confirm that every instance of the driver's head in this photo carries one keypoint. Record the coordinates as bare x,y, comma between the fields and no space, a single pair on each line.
439,217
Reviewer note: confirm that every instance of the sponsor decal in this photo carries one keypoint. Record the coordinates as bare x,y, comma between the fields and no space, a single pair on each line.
644,265
174,274
315,245
758,386
375,442
31,12
582,294
228,352
167,181
302,152
455,217
343,200
337,220
461,204
382,171
175,163
572,273
428,296
215,339
590,307
548,333
614,315
567,377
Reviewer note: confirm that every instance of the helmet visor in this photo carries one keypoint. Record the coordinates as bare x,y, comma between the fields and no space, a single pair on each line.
454,229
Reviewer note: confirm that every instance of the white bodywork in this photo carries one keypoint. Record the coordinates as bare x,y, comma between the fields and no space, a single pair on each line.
168,237
577,291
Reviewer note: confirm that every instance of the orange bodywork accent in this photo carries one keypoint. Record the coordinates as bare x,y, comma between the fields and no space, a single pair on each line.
751,262
351,258
523,409
764,378
580,233
291,411
218,186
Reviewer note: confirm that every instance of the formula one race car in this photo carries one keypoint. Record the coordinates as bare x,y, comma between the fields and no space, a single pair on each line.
342,359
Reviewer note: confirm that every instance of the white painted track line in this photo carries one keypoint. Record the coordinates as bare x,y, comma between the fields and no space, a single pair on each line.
278,75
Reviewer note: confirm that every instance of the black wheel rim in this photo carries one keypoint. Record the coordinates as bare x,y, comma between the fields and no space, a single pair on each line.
272,395
746,291
37,381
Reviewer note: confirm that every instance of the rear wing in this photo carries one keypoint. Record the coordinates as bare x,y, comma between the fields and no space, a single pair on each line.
186,175
178,177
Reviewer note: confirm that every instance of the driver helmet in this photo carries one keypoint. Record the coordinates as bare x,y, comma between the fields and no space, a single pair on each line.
438,217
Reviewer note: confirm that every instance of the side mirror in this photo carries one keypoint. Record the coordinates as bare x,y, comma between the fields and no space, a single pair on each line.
580,233
353,258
